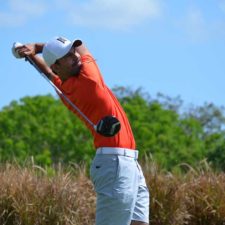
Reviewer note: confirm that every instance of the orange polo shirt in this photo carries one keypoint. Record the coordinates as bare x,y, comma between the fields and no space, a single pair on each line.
90,94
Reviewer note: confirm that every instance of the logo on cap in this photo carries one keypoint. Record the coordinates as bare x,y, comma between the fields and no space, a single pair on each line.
61,40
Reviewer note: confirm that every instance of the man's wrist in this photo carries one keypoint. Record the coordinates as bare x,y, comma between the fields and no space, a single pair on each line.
39,47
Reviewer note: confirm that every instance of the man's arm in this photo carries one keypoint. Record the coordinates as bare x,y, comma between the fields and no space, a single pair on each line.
81,48
31,51
40,63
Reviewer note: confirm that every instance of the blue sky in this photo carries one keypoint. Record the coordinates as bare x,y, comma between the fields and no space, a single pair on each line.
168,46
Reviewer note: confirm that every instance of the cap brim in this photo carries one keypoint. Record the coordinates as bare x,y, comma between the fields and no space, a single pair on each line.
76,43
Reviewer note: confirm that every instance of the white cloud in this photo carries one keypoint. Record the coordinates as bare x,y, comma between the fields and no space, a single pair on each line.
8,19
222,5
27,7
197,25
18,13
116,14
194,24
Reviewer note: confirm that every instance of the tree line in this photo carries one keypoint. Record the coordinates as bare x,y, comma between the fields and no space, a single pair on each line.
164,129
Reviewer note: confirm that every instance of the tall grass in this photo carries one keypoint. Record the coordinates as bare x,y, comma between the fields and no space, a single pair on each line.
65,196
196,197
28,196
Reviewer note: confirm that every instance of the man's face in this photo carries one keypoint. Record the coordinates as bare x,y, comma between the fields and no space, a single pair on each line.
69,65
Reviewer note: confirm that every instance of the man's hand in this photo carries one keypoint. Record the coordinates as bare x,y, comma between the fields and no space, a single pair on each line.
30,51
23,50
26,50
14,51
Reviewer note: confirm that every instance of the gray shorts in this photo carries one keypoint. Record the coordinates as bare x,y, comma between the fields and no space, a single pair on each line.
122,194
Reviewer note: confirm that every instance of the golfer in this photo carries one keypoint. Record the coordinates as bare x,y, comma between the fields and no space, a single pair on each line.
122,194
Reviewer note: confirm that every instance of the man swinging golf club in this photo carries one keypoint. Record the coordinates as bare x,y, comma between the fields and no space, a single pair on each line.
122,194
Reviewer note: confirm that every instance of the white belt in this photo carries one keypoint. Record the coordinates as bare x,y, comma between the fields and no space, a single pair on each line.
118,151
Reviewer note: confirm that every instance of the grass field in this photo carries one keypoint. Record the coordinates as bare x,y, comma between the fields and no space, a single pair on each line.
33,195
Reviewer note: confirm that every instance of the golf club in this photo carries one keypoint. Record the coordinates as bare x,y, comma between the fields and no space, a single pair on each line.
107,126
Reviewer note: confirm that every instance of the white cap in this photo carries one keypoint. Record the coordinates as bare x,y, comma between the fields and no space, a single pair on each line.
56,49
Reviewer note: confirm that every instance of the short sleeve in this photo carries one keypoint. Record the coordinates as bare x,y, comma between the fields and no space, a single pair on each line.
57,81
90,69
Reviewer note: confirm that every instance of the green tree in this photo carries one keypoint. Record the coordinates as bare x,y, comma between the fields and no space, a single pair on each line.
173,136
42,127
212,120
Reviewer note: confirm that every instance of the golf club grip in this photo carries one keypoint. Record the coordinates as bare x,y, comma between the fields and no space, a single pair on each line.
60,92
43,75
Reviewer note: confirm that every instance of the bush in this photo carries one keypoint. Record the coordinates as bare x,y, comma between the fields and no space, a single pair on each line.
33,195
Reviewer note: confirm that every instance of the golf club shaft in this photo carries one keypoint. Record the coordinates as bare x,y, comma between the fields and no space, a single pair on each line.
60,92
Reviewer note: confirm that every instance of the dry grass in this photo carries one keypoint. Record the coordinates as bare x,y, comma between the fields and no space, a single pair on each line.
30,196
196,197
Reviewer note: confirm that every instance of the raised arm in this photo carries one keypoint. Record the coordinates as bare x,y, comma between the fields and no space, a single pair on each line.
31,50
81,48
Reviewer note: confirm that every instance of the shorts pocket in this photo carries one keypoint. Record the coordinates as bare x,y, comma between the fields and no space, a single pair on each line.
126,183
103,173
